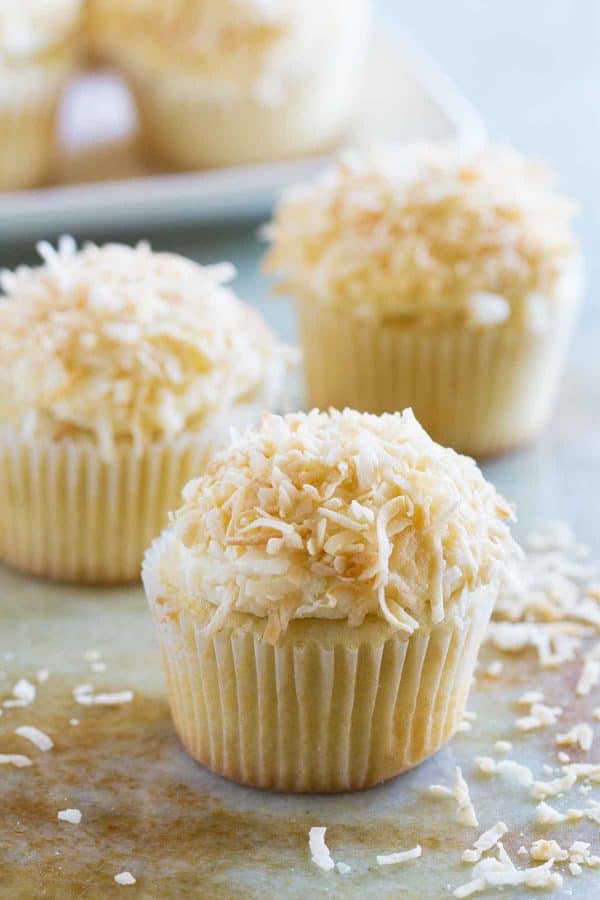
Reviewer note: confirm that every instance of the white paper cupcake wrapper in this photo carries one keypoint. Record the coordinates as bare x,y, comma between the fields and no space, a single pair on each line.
309,717
480,391
68,514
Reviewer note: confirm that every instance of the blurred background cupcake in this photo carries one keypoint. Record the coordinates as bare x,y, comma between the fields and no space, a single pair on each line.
223,82
38,49
122,370
321,597
438,277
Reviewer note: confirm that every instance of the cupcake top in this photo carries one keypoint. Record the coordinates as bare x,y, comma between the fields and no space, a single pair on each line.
120,343
434,231
229,46
29,27
337,515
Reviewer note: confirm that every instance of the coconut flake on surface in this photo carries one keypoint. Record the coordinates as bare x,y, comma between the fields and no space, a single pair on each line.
392,859
319,850
485,842
41,740
125,878
580,735
83,694
465,812
72,816
14,759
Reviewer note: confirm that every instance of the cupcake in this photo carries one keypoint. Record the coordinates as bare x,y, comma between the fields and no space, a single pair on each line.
122,371
442,278
226,82
320,599
38,48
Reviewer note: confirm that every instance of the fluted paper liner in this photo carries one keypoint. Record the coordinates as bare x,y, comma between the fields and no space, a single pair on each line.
70,515
478,390
336,712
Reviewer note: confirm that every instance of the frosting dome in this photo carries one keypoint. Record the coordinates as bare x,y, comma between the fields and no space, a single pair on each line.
427,232
338,515
118,342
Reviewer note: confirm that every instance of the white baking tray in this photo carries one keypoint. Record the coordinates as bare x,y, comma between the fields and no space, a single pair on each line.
104,184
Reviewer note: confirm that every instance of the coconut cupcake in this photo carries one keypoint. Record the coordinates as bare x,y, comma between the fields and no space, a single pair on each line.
224,82
442,278
320,599
38,49
122,370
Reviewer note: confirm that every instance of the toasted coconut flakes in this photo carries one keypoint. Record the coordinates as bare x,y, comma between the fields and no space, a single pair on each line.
137,346
14,759
125,878
424,503
24,691
465,812
503,746
485,842
589,678
319,850
72,816
37,737
579,735
424,232
542,789
539,717
543,850
83,694
547,815
393,859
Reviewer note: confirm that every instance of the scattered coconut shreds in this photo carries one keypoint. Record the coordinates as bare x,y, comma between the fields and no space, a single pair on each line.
72,816
465,812
503,746
530,697
42,676
37,737
539,716
14,759
542,789
92,655
464,726
23,694
125,878
589,678
543,850
563,757
343,868
83,694
73,721
580,735
319,850
501,872
584,770
392,859
485,842
575,868
547,815
520,775
440,790
98,666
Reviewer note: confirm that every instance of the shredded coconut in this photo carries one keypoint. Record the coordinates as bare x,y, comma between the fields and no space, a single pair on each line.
580,735
117,343
14,759
37,737
339,515
465,812
432,231
73,816
319,850
84,695
125,878
392,859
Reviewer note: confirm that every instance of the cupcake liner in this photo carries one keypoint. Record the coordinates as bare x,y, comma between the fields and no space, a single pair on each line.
328,708
479,390
68,514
